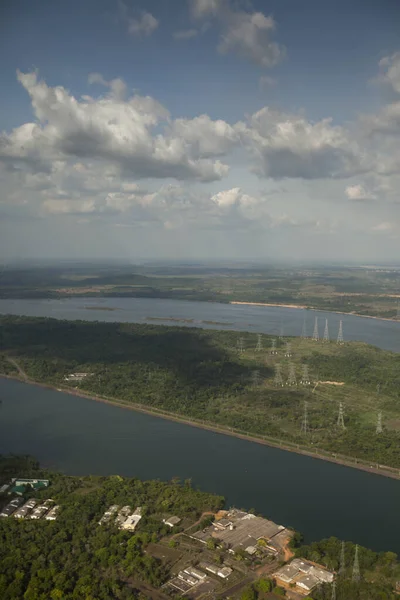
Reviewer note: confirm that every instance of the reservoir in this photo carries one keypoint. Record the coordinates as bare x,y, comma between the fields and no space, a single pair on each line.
273,320
81,436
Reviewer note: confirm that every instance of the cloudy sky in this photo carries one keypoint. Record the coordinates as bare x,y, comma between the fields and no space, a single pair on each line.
200,129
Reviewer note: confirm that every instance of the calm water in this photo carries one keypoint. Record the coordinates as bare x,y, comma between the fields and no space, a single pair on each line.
267,319
80,436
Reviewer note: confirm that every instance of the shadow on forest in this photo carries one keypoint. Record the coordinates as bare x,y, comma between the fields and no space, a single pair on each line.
192,355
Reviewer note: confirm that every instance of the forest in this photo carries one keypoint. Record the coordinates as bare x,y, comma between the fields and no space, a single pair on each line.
204,376
74,558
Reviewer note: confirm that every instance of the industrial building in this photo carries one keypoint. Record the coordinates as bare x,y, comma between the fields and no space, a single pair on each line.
222,572
52,514
11,507
25,509
21,485
302,576
239,530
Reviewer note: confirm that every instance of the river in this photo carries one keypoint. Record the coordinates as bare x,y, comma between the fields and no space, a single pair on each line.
80,436
264,319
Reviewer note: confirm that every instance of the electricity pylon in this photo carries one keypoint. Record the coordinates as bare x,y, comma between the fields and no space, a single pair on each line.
342,567
340,420
304,424
240,345
288,349
333,597
315,336
259,343
255,378
356,567
379,423
340,333
278,375
305,378
273,347
326,331
292,375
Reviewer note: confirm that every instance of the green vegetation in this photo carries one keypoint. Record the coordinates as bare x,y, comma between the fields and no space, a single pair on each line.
369,291
379,571
200,375
74,558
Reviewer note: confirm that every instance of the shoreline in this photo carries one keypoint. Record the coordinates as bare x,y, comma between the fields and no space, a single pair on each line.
303,307
382,470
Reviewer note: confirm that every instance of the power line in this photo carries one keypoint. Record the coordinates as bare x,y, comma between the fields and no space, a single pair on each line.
342,567
326,331
356,567
259,345
315,336
304,424
273,347
292,375
305,378
333,597
379,423
278,375
340,333
255,378
288,351
340,420
240,345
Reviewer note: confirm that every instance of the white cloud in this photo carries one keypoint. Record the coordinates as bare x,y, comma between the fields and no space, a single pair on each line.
145,25
108,129
247,34
390,71
117,86
207,137
266,82
287,145
359,193
185,34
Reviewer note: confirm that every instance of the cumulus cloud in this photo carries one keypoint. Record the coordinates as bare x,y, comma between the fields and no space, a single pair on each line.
206,137
359,193
145,25
247,34
287,145
106,129
390,71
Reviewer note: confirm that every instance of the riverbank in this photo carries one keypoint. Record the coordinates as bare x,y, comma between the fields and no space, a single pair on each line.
303,307
354,463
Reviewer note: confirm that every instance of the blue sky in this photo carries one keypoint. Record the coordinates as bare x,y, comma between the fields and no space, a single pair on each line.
232,129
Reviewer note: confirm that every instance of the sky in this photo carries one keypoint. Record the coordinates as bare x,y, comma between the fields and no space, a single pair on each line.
200,129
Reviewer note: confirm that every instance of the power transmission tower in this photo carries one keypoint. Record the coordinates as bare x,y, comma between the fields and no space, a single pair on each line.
379,423
304,329
315,336
333,597
273,347
240,345
326,331
259,343
342,567
292,375
304,424
356,567
340,334
378,389
278,375
255,378
305,378
288,349
340,420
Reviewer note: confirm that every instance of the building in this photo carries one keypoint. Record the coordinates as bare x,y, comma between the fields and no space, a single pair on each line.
193,572
172,521
52,514
76,376
25,509
11,507
4,488
21,485
130,523
302,576
123,514
222,572
108,514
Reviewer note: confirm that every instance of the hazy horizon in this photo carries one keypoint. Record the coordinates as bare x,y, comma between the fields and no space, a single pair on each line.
200,130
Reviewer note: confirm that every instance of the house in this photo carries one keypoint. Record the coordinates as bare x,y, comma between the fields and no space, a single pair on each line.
108,514
172,521
24,510
224,572
132,520
11,507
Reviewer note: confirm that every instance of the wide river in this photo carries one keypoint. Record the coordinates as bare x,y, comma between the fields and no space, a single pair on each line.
81,436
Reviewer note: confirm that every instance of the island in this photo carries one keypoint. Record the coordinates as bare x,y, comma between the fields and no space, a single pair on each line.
335,401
